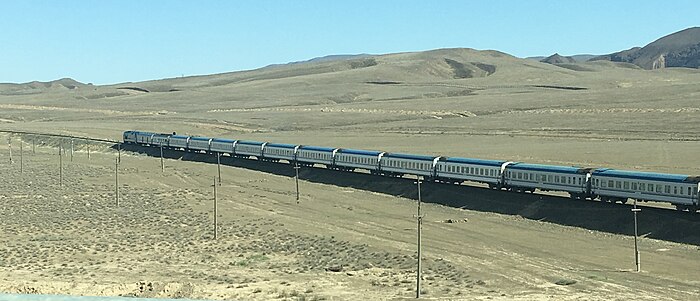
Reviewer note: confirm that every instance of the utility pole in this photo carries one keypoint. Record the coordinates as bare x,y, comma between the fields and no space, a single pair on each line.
637,259
420,226
60,165
162,163
33,145
88,150
71,150
119,152
9,144
218,165
116,181
215,213
296,178
21,157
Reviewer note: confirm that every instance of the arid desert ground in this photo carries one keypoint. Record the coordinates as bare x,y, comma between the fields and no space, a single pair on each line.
351,236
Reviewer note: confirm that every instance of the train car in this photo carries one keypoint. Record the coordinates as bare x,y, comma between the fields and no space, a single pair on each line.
620,185
455,169
129,137
350,159
249,148
395,164
280,151
178,142
529,177
143,137
224,146
199,144
310,155
161,140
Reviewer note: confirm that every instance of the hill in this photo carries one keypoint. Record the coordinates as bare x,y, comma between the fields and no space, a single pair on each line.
558,59
680,49
39,87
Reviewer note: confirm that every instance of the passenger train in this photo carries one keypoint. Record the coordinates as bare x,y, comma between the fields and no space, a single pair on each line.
608,185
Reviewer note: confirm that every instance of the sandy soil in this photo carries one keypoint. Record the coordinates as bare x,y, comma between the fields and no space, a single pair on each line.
337,243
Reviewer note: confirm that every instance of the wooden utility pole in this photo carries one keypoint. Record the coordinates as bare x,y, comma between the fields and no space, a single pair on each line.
119,152
420,226
60,165
21,157
215,209
71,150
116,180
9,144
296,178
33,145
218,165
637,259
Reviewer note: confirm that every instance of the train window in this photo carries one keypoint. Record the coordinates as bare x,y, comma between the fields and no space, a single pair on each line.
651,187
695,192
568,179
634,186
689,191
556,179
520,175
642,187
618,184
597,182
627,185
658,188
549,178
675,189
667,189
579,181
471,170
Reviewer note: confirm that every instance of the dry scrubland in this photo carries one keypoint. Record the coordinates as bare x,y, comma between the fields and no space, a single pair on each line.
456,102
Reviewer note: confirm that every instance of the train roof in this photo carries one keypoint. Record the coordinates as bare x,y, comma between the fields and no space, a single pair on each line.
641,175
318,148
474,161
547,168
359,152
179,136
223,140
250,142
200,138
281,145
410,156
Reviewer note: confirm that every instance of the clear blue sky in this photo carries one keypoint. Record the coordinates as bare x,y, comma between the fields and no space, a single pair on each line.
111,41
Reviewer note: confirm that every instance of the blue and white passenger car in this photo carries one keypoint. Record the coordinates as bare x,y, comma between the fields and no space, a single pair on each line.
280,151
350,159
162,140
620,185
129,137
249,148
310,155
529,177
399,164
199,144
223,146
454,169
143,137
179,142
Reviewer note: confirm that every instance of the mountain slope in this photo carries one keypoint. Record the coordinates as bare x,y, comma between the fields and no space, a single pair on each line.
680,49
